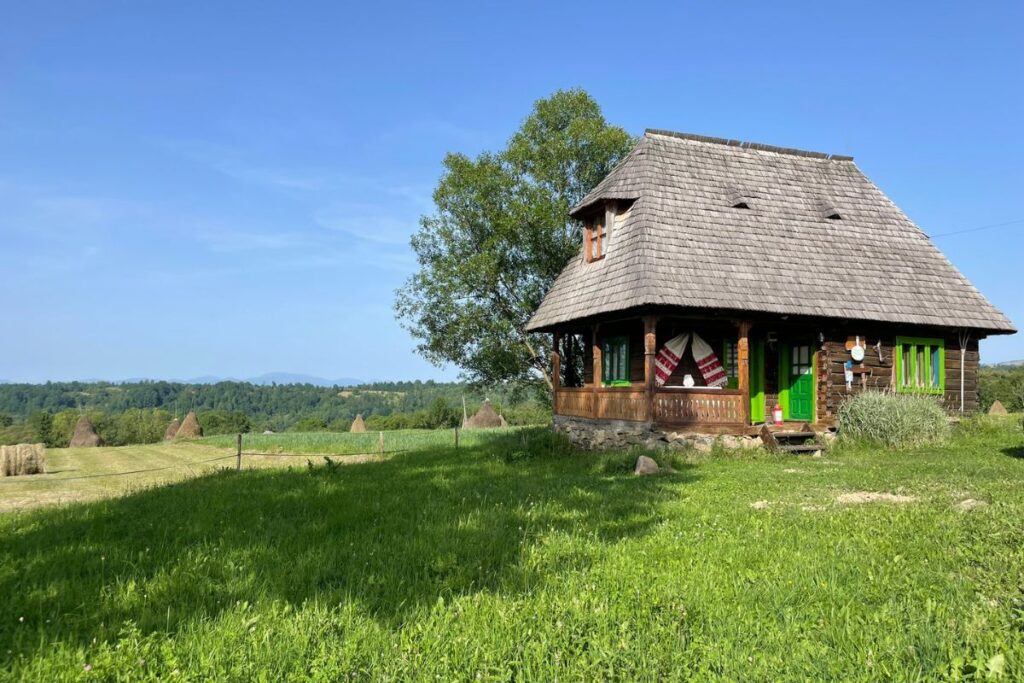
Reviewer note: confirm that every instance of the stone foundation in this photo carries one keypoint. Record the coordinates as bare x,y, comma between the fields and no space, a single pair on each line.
618,434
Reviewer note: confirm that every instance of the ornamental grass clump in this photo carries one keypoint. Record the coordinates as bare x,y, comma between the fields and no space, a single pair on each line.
894,420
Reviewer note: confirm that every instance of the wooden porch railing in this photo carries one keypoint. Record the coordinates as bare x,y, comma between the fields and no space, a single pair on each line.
605,404
621,404
671,407
696,407
576,402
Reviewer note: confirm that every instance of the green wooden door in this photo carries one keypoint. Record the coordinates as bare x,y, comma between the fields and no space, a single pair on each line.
796,380
757,381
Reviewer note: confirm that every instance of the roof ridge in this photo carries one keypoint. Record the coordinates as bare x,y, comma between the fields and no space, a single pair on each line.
792,151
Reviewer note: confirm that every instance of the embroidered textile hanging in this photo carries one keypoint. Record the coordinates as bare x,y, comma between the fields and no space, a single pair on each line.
708,364
668,358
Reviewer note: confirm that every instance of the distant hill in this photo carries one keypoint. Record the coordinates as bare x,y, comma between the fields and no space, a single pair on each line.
296,378
262,380
1008,364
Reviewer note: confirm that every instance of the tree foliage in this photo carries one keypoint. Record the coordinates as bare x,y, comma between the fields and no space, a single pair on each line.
1003,383
499,237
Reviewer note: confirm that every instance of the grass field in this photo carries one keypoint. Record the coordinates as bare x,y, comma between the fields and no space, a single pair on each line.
351,444
523,561
78,474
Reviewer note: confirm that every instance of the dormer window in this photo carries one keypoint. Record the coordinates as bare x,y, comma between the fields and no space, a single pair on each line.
827,209
595,239
738,199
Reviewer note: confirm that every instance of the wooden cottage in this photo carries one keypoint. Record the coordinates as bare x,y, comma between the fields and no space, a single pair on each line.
719,279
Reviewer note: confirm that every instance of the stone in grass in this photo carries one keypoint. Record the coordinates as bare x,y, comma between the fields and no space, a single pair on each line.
645,465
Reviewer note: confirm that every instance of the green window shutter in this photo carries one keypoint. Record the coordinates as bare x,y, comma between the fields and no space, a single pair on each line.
920,365
615,362
729,363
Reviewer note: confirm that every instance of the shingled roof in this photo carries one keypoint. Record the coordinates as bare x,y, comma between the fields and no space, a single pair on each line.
684,243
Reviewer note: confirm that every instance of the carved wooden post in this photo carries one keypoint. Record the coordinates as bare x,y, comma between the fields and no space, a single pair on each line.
556,371
743,360
650,348
596,382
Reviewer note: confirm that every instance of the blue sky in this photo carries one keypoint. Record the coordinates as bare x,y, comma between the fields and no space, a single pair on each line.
228,188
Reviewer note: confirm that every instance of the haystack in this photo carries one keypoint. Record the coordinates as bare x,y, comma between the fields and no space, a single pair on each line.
485,418
997,408
172,430
358,426
85,435
22,459
190,428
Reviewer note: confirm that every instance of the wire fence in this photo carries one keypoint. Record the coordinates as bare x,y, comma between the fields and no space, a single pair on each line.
180,465
380,451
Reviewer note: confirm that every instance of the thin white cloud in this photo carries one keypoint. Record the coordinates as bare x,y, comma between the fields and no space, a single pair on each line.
231,241
361,223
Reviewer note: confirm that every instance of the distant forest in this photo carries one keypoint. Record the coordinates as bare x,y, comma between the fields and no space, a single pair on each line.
276,407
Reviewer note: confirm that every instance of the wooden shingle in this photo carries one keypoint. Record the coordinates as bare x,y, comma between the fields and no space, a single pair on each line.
685,243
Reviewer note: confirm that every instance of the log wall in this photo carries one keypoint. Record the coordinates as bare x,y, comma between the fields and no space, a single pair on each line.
877,372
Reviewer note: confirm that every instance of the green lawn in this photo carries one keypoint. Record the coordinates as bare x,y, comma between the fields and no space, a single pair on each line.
79,474
512,560
351,444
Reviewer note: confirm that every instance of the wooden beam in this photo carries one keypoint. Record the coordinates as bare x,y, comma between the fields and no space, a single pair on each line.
596,380
556,370
743,360
650,349
609,224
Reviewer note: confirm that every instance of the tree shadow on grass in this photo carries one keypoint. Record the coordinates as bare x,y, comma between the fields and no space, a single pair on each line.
387,536
1014,452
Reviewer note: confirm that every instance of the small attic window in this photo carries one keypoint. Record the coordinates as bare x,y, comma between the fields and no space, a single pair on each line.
595,239
827,209
739,199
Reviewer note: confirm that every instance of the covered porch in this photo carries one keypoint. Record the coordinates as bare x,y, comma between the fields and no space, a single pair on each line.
612,374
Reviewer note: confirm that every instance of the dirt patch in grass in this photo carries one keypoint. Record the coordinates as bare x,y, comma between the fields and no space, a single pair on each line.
969,504
760,504
863,497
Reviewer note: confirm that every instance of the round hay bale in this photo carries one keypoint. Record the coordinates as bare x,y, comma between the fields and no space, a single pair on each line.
85,435
172,430
22,459
190,428
485,418
997,408
358,425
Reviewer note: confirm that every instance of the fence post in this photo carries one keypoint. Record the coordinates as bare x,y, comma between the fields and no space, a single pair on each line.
380,444
456,438
238,455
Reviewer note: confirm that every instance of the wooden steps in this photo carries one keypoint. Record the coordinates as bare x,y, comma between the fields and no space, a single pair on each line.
796,442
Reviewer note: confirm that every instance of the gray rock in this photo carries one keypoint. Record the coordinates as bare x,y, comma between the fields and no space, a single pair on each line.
645,465
730,442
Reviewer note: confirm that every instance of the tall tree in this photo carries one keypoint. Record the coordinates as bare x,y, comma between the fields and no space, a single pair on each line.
499,236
